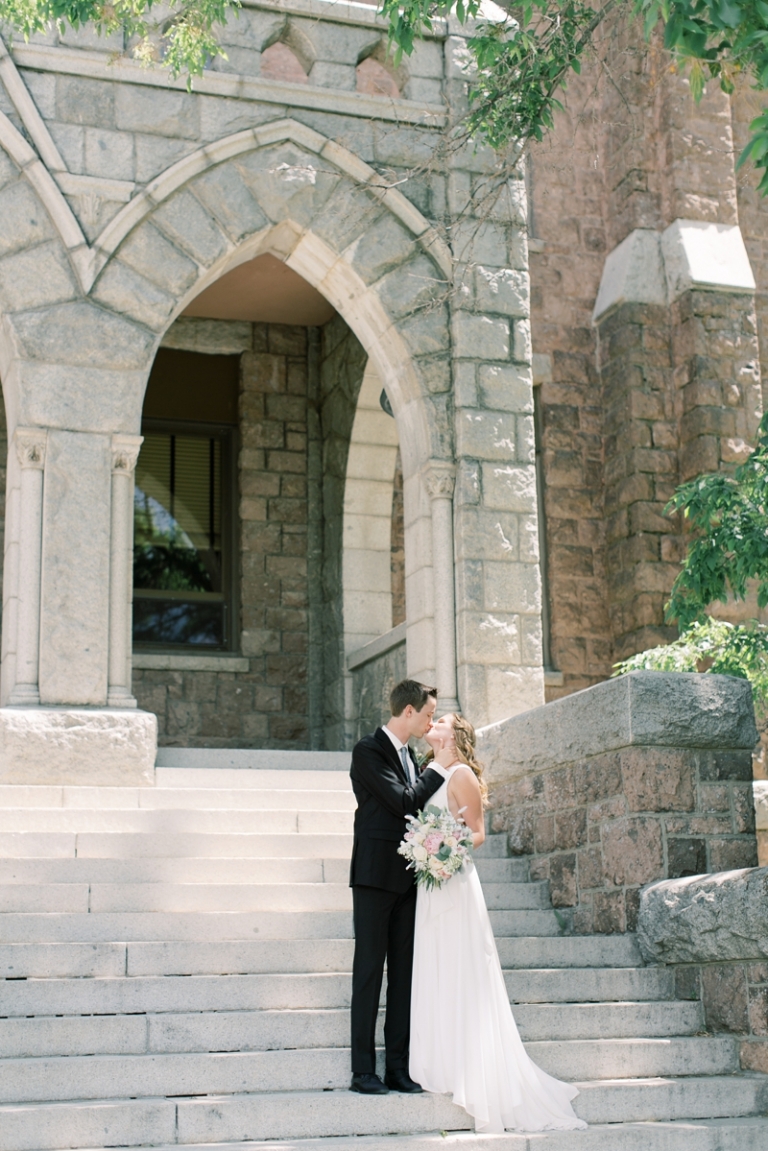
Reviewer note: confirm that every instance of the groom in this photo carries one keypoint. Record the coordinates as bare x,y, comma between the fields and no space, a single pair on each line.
388,786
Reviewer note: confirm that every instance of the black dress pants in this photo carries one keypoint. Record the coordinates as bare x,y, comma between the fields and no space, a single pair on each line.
384,923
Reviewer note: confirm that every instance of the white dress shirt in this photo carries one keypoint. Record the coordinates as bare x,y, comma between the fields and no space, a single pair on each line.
397,744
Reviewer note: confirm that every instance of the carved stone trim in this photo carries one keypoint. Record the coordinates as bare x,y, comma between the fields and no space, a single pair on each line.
125,452
30,447
439,480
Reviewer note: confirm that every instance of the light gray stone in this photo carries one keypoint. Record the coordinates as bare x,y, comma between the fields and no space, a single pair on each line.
185,220
288,183
702,254
705,918
8,170
156,112
411,288
512,586
484,534
339,43
426,59
36,277
486,435
75,333
25,220
70,140
760,791
377,251
644,708
507,388
156,153
502,290
424,91
225,337
74,598
129,294
42,89
509,488
82,101
109,154
340,76
225,196
103,401
221,117
150,254
633,273
426,333
480,337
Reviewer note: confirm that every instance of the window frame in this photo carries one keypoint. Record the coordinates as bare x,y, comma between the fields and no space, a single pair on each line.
230,567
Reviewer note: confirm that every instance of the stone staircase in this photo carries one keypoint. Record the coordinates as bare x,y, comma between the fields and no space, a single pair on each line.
176,961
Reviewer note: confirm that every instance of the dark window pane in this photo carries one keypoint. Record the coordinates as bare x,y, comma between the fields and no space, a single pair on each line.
177,514
199,623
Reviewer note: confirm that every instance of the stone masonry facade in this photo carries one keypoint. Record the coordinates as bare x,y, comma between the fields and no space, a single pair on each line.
655,392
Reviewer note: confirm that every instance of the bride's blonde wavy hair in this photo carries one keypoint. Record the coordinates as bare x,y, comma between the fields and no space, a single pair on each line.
464,737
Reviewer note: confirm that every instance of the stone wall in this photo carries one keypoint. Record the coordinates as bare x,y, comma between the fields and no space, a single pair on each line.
262,699
641,778
660,391
375,669
714,930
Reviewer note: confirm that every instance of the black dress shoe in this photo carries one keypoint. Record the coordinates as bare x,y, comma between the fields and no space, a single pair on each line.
401,1081
368,1085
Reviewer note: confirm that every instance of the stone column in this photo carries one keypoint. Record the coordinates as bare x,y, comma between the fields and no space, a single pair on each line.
125,452
30,449
439,481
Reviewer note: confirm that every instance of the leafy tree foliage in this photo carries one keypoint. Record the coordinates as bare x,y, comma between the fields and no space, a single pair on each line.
728,515
717,647
521,61
182,34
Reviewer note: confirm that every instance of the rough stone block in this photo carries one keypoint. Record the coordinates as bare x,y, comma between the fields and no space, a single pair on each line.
706,919
25,220
503,387
109,154
486,435
480,337
632,851
642,708
185,220
686,857
226,196
35,278
97,747
724,995
157,112
510,488
502,290
658,780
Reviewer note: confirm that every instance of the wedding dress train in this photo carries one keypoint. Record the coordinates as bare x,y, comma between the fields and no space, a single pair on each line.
464,1040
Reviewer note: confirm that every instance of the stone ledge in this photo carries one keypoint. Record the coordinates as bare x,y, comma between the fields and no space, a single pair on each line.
644,708
379,646
94,746
705,918
161,661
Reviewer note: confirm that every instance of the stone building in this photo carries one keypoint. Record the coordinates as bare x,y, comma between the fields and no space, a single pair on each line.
276,421
233,327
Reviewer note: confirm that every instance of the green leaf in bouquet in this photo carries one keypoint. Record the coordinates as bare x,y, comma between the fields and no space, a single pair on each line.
444,853
430,809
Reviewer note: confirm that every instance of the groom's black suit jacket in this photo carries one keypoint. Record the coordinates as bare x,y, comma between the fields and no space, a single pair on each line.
384,797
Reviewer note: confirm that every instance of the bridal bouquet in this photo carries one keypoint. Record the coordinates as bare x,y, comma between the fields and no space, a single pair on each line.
436,846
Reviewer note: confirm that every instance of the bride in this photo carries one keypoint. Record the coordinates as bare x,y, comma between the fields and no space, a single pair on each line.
464,1040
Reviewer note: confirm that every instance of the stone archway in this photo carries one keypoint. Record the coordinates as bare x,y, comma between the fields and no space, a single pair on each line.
80,362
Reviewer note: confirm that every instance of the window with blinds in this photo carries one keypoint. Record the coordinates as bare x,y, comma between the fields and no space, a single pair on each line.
183,501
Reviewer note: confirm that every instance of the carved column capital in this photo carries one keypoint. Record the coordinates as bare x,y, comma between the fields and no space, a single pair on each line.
439,479
30,447
125,452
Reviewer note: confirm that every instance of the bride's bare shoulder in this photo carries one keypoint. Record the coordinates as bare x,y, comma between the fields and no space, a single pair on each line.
463,775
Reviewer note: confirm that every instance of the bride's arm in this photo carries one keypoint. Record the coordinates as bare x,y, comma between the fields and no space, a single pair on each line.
464,790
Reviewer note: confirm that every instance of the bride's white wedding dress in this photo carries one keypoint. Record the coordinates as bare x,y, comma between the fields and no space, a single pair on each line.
464,1041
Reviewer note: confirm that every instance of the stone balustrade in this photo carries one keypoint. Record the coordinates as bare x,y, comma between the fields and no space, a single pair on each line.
714,930
641,778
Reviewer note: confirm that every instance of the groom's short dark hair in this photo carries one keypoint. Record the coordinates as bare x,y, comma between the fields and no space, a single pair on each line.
410,691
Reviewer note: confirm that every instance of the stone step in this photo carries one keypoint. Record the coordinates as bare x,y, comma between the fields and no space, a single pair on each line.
320,1069
86,869
206,1122
175,821
216,760
697,1135
75,927
228,897
234,1030
558,981
106,995
340,798
242,845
